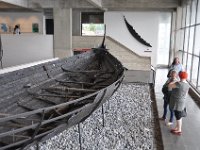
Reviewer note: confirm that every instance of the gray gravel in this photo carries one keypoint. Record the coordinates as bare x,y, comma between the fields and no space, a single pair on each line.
128,124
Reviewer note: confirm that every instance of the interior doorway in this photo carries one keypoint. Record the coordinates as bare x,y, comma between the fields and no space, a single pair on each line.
49,26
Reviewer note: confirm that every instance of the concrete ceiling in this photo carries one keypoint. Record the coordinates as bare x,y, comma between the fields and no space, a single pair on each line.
104,5
4,5
139,4
12,7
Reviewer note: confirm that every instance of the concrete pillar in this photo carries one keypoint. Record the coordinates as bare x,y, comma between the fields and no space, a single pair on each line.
76,22
62,32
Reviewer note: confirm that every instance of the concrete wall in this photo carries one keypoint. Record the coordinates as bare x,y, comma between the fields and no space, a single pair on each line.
128,58
76,20
22,49
146,23
24,19
86,41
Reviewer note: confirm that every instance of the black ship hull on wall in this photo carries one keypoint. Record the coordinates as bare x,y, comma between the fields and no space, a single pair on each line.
135,34
41,101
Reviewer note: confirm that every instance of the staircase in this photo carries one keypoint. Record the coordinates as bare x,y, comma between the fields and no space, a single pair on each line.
128,58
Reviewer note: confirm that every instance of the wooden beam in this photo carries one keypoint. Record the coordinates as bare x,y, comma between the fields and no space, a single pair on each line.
69,89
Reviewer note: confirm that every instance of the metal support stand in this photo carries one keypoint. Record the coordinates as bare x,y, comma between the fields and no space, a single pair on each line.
107,104
1,64
1,53
79,131
103,116
37,146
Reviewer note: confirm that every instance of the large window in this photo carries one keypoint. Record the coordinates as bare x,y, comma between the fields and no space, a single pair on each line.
93,29
92,24
188,40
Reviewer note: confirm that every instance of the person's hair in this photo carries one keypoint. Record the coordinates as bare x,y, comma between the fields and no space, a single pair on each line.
170,72
173,71
174,61
183,75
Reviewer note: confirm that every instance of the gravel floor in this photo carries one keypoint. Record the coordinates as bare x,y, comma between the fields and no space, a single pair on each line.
128,124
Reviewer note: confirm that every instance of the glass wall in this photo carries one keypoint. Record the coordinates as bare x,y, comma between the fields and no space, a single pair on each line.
187,39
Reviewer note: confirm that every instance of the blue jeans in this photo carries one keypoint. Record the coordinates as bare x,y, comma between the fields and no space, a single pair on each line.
166,103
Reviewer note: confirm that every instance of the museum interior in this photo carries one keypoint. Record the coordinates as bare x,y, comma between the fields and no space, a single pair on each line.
90,74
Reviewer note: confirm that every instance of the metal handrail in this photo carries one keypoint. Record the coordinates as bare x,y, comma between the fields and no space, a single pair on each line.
154,75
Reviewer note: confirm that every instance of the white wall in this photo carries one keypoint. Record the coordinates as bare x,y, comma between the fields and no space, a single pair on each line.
18,67
22,49
146,25
24,19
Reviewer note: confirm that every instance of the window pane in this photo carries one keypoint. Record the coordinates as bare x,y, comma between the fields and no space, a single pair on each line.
194,3
184,60
198,13
179,40
186,40
188,15
191,39
189,65
195,70
93,29
183,16
198,86
197,43
179,17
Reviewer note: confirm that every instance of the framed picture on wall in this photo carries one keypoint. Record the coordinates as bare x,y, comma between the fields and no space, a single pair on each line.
4,27
35,28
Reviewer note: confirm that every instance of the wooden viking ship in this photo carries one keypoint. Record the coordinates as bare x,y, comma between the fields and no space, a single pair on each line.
41,101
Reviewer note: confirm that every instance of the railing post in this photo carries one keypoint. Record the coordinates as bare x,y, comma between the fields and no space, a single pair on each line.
154,75
37,146
103,117
79,132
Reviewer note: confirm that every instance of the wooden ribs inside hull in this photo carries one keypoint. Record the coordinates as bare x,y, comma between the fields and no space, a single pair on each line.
36,101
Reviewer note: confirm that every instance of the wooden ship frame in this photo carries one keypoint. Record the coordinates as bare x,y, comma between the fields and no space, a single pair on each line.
41,101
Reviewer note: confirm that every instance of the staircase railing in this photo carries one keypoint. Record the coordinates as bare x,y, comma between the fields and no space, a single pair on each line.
153,73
